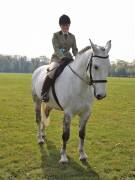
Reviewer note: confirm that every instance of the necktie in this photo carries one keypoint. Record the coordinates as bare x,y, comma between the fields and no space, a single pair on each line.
65,36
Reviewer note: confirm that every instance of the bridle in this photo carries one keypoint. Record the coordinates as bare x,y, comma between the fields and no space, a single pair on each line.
89,66
91,82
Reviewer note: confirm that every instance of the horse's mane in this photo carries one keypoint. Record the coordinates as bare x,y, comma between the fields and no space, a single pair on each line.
84,50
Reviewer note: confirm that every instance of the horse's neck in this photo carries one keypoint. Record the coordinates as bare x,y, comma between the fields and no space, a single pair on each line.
80,63
79,89
79,66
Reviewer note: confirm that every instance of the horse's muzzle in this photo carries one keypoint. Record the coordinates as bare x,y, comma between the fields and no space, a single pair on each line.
99,96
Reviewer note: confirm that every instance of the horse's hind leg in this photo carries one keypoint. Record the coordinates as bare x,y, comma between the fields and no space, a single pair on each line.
65,137
83,120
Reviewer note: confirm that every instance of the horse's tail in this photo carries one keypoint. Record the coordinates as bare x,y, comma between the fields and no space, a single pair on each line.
44,118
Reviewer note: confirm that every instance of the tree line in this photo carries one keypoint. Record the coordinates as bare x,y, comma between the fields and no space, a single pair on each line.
122,68
22,64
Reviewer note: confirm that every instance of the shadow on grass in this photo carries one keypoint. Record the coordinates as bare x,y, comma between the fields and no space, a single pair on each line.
52,170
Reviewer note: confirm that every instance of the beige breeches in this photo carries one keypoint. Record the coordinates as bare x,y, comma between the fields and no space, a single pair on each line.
52,69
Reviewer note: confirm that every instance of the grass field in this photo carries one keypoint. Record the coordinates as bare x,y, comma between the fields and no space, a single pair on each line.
110,137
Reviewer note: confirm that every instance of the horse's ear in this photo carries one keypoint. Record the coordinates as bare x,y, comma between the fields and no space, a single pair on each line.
92,45
108,46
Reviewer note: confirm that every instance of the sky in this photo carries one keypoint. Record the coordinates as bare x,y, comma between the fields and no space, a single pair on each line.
27,26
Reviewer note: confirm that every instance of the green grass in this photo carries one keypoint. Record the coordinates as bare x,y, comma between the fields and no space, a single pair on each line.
109,144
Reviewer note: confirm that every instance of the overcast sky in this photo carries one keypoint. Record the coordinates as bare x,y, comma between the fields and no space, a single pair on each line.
27,26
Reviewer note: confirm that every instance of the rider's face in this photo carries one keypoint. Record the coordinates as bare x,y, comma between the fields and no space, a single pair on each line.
65,28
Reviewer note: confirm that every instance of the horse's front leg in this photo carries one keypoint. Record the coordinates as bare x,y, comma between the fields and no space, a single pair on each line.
83,120
65,137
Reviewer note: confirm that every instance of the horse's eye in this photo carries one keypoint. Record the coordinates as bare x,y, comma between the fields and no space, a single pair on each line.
96,67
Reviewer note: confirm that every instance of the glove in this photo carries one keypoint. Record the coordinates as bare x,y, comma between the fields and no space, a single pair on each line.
62,50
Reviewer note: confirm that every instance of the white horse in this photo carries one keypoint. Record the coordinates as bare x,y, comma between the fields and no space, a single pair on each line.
80,81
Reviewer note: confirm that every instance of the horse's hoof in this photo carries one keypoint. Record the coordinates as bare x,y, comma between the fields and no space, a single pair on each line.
41,141
63,161
83,158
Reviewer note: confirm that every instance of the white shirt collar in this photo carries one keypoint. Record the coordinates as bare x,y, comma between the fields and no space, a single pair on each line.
64,33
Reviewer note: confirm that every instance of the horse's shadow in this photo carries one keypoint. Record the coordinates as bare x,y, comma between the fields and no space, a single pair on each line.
52,170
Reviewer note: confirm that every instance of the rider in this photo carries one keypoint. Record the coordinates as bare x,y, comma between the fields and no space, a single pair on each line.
62,42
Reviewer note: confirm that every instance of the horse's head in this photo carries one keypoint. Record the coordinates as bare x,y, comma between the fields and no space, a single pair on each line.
98,68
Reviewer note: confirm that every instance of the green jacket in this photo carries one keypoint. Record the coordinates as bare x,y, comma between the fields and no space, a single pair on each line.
62,46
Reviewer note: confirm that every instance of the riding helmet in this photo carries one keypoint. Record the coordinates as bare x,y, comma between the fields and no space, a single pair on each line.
64,20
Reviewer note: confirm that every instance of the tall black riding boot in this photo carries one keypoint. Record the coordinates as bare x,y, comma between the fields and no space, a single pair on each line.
45,89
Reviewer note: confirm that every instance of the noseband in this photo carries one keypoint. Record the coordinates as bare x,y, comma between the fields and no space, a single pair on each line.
91,82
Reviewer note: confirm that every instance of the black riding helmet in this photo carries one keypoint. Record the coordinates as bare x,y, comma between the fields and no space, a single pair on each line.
64,20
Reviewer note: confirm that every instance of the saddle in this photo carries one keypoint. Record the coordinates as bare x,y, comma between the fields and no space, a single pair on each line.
62,66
